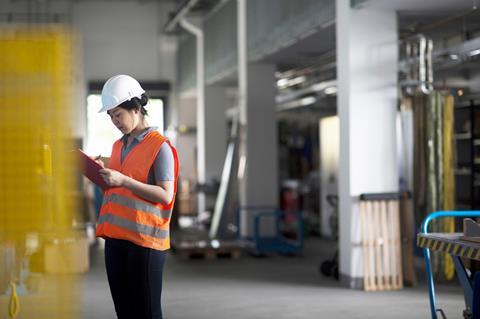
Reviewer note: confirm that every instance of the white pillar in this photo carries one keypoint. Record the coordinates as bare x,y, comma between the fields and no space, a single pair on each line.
367,54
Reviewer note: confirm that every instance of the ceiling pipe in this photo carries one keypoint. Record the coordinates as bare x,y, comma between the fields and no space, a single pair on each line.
181,13
443,22
201,170
242,108
216,8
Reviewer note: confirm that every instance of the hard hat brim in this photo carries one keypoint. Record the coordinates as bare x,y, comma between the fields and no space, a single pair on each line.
109,107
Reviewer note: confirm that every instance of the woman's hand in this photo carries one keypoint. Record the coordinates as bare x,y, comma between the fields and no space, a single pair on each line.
112,177
98,160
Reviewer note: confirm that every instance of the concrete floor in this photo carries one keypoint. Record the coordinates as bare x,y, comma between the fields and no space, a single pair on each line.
273,287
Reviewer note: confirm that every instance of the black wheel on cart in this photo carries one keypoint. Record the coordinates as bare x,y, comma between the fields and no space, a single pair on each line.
467,314
335,271
326,268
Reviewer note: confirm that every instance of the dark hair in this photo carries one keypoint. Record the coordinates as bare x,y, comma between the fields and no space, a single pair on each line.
136,103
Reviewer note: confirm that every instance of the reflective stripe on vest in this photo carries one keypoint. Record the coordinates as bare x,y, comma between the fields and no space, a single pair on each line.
133,226
137,205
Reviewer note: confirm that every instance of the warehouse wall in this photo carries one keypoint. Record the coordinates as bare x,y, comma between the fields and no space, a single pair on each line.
221,42
124,37
113,36
186,62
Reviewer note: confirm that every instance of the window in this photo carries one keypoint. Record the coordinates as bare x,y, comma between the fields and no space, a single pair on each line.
101,133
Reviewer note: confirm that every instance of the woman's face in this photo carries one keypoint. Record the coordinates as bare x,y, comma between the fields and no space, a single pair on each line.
125,120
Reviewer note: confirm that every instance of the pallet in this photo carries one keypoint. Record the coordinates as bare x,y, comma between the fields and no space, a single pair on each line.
382,259
209,253
201,248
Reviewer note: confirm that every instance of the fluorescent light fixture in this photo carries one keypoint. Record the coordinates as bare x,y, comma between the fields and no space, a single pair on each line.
296,103
319,86
474,52
297,80
330,90
307,101
282,83
453,57
323,85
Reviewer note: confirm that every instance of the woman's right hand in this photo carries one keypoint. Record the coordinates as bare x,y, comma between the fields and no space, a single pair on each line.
98,160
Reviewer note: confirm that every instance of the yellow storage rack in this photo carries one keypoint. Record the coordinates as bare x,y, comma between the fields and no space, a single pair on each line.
37,172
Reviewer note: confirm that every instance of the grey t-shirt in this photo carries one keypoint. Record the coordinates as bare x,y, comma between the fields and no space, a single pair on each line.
163,168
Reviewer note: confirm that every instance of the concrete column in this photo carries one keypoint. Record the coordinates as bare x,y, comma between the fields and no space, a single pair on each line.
261,168
367,54
216,133
258,162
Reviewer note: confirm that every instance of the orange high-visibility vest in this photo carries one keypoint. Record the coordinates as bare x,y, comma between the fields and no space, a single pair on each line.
123,214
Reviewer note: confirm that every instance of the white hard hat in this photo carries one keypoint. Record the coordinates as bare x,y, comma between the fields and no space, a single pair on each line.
118,89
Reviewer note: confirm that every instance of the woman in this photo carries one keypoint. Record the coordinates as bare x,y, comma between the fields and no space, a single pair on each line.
135,214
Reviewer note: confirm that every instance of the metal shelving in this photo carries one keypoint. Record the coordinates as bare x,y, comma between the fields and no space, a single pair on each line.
467,141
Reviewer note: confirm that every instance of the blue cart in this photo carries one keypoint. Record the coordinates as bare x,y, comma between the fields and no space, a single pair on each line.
277,243
451,243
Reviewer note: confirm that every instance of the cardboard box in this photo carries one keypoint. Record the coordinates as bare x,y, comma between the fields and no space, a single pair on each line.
67,256
185,205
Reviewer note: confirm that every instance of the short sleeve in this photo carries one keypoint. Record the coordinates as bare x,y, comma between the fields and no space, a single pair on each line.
164,165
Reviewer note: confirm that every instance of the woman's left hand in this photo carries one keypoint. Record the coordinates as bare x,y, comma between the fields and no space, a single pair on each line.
112,177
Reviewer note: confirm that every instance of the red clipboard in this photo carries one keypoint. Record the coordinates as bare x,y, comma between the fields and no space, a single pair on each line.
90,169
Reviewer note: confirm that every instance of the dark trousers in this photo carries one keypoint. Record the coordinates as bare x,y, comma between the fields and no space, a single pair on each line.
135,277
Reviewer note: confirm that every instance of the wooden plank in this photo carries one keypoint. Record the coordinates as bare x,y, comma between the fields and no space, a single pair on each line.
393,244
395,240
386,244
370,245
365,250
399,246
379,273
